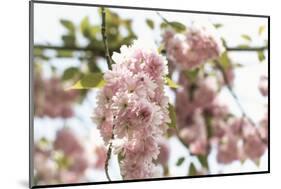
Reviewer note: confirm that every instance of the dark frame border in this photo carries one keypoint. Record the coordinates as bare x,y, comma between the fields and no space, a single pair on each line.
31,110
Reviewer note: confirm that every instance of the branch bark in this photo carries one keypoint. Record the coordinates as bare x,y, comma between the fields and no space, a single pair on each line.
104,38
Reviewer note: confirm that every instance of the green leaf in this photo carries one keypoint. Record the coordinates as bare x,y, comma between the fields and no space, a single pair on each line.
85,26
224,60
178,27
261,30
68,25
180,161
203,160
64,53
69,73
163,25
89,81
62,161
171,83
246,37
261,56
218,25
257,162
191,74
68,40
172,114
192,170
37,52
150,23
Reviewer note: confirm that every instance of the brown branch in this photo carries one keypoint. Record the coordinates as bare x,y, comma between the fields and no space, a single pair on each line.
247,49
233,94
100,52
104,38
108,155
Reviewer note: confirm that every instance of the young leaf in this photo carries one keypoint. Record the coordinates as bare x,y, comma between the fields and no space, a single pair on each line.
192,170
172,115
163,25
64,53
261,29
191,74
85,27
171,83
203,160
261,56
218,25
68,25
69,73
224,60
246,37
179,27
150,23
68,40
89,81
180,161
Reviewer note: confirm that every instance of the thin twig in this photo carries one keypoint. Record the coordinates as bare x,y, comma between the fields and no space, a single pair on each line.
104,38
244,115
108,155
233,94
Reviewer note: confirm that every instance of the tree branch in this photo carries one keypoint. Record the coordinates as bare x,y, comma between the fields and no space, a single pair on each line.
233,94
108,155
104,38
247,49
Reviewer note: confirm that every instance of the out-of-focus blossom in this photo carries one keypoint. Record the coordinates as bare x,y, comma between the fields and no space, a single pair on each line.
263,128
164,154
193,48
228,149
45,168
68,142
263,85
100,151
66,159
51,99
254,147
194,133
133,101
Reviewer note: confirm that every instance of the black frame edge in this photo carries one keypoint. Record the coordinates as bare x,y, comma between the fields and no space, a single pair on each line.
31,130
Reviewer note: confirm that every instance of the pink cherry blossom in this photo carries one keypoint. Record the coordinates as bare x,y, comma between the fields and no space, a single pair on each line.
51,99
133,101
195,47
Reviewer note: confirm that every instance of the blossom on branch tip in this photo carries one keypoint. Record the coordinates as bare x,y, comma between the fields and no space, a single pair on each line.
134,104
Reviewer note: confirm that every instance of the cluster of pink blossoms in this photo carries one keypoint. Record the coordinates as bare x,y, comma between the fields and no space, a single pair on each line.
66,159
132,105
51,99
191,102
198,108
193,48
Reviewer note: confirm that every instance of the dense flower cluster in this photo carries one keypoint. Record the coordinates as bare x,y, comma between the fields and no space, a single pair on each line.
193,48
51,99
204,120
66,159
133,107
